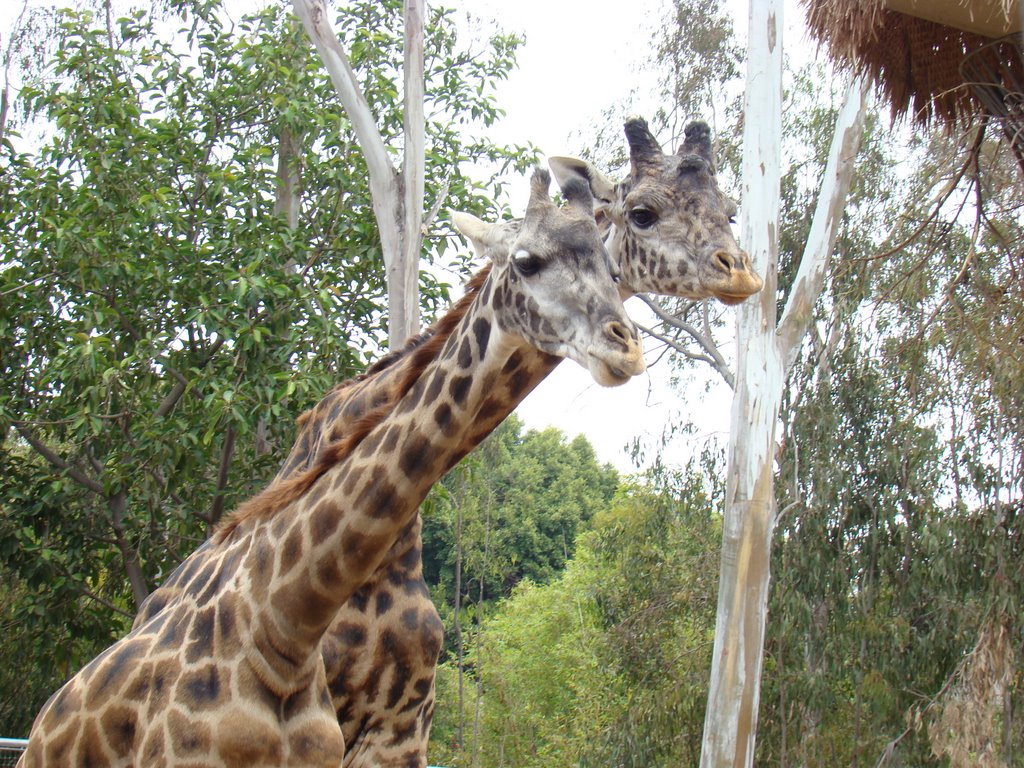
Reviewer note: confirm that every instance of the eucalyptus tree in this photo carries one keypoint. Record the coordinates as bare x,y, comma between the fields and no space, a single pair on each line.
767,344
900,582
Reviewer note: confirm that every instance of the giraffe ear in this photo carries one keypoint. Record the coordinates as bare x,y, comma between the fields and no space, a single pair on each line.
566,169
479,233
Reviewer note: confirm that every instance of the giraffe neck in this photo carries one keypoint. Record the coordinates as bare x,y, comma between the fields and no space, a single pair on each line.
331,539
335,416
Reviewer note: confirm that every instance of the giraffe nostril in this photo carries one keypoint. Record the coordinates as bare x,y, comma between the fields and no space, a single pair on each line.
724,261
619,332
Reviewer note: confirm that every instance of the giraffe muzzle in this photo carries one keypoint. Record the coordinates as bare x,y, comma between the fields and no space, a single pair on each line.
617,356
739,280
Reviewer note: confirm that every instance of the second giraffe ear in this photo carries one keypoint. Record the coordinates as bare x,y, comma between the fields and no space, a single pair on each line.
566,169
481,234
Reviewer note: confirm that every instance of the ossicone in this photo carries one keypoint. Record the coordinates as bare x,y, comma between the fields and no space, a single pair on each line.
642,144
697,141
539,184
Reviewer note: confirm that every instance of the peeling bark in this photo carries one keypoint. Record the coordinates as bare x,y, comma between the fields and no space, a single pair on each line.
765,353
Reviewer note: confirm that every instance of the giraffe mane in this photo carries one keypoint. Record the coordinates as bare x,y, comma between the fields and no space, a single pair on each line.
420,350
381,364
374,368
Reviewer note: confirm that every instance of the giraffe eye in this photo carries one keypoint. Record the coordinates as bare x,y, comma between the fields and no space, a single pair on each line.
643,218
526,263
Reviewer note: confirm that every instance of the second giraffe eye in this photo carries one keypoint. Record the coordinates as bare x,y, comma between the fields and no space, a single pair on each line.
526,263
643,218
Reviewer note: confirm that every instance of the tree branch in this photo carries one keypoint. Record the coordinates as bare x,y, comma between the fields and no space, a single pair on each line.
118,505
672,343
938,200
404,322
828,214
383,184
56,461
442,195
714,357
287,201
181,383
226,454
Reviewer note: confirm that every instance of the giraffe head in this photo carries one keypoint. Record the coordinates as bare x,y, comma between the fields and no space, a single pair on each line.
671,222
553,284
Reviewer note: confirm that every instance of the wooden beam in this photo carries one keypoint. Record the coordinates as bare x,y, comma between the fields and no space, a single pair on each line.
990,18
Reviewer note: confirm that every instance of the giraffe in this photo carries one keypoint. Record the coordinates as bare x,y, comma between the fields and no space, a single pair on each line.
667,230
229,671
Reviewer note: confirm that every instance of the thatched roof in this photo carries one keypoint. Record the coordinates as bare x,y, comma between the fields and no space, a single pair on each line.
914,51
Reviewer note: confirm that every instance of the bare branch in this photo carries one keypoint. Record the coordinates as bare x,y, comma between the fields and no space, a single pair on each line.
712,355
383,176
431,215
671,343
403,276
226,454
828,214
118,505
55,460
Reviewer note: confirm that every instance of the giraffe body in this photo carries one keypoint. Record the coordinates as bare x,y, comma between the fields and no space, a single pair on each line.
226,667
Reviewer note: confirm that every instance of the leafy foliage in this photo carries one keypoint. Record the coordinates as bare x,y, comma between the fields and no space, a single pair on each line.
524,497
163,322
604,665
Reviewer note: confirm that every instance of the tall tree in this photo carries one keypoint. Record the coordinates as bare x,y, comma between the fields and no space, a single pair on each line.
766,350
600,665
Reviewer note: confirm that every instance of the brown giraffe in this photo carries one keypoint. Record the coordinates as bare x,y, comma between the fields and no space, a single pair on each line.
667,226
229,671
686,251
667,230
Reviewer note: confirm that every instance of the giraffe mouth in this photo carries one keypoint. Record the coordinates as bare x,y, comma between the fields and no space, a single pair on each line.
615,373
732,299
741,284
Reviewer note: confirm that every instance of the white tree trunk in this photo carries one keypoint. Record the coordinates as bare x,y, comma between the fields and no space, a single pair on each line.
764,357
404,317
397,198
